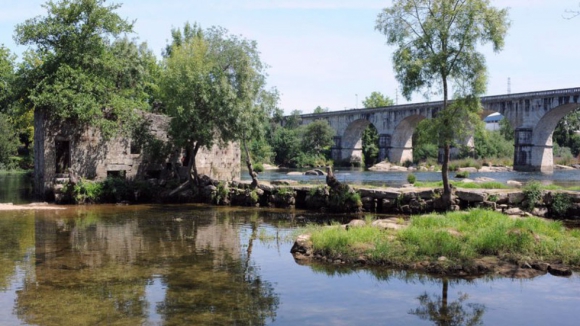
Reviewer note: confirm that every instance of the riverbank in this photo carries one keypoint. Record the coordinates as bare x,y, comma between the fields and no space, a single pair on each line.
33,206
467,244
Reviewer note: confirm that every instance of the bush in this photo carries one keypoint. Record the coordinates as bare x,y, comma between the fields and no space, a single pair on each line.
560,204
532,194
258,167
462,174
86,191
411,178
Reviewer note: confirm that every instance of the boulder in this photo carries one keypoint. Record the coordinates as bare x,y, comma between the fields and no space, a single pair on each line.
294,173
472,196
283,182
388,224
355,223
559,270
467,169
514,183
515,198
311,172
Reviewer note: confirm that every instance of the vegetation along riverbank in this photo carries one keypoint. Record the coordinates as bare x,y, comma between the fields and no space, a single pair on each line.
465,243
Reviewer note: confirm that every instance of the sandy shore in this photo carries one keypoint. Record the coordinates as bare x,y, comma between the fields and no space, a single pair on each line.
33,206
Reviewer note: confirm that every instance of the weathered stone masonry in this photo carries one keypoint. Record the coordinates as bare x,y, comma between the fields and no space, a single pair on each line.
61,147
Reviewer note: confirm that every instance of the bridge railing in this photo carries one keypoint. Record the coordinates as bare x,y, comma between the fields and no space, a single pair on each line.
548,93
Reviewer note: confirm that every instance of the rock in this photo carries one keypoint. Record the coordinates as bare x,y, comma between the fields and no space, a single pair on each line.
320,172
381,166
303,245
514,183
471,196
283,182
467,180
483,179
270,167
515,198
311,172
563,167
294,173
355,223
468,169
559,270
388,224
540,211
513,211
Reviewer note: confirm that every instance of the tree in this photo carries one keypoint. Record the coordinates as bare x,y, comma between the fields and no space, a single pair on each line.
76,70
436,45
506,129
286,146
370,145
318,135
370,136
212,86
8,141
319,109
376,99
6,78
294,120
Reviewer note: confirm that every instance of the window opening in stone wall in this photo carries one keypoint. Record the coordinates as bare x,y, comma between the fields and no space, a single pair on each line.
135,148
62,149
116,174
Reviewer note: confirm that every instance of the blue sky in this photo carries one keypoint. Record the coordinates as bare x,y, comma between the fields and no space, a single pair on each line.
327,53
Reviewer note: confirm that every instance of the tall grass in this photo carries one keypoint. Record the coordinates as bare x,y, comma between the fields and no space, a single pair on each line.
459,236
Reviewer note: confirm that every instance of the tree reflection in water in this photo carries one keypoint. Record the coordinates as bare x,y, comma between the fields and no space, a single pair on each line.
440,312
94,267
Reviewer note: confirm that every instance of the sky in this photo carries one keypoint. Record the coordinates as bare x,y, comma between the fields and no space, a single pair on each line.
327,52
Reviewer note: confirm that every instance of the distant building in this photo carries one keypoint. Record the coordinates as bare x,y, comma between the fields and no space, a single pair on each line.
492,121
62,148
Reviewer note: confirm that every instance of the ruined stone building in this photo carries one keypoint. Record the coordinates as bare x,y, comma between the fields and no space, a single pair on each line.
62,148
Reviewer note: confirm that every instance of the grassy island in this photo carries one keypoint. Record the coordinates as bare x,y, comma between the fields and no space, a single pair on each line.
453,243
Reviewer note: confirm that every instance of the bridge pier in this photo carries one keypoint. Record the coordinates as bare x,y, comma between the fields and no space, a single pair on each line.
384,146
400,154
529,156
336,149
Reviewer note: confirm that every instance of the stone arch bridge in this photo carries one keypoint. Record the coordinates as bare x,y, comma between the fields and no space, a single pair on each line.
533,116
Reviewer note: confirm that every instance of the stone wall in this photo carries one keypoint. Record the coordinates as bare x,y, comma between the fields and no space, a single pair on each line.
63,146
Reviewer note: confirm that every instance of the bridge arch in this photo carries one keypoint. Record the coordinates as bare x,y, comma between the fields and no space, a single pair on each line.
351,142
535,145
401,147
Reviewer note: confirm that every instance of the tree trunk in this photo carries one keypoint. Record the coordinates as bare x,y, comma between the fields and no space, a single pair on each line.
192,167
253,174
446,149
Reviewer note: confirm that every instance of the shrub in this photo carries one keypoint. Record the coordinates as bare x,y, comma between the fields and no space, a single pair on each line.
258,167
462,174
532,194
560,204
411,178
86,191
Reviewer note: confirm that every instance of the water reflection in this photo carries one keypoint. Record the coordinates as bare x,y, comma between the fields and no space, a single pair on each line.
93,267
438,310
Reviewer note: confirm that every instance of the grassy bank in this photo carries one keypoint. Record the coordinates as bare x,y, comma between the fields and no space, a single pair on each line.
461,237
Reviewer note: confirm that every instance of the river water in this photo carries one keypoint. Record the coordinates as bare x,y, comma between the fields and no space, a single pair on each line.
202,265
394,179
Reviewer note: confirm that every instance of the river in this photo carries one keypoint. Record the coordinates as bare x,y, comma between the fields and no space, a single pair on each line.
202,265
394,179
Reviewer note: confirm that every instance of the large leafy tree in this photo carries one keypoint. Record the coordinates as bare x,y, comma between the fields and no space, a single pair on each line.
377,99
437,46
79,67
6,77
317,136
213,85
370,136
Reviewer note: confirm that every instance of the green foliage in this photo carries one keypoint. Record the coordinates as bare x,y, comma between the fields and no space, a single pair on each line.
561,203
286,146
7,76
376,99
213,86
411,178
222,193
565,133
319,109
87,192
459,236
506,130
78,67
344,199
532,194
462,174
258,167
317,137
424,151
492,144
436,45
8,142
370,145
294,120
